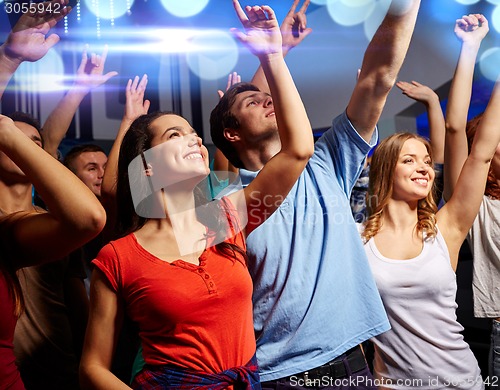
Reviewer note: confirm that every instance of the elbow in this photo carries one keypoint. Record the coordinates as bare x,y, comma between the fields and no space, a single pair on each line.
452,128
92,222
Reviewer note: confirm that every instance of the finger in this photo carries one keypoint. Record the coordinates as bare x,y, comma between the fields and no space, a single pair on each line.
238,35
239,12
104,55
306,32
220,93
52,40
144,82
255,13
134,83
292,9
108,75
83,62
146,106
270,13
238,79
303,9
129,85
417,84
301,20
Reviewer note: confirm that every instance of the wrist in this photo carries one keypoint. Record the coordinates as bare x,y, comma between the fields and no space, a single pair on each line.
270,58
11,62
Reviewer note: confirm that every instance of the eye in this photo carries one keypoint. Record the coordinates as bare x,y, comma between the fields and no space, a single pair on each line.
174,134
428,162
252,103
407,160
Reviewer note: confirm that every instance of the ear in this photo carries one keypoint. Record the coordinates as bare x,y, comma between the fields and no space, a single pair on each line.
231,135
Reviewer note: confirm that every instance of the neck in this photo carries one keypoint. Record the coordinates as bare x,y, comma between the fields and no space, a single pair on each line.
15,197
400,215
256,155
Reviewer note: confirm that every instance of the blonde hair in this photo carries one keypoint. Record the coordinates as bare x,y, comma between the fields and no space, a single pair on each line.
380,189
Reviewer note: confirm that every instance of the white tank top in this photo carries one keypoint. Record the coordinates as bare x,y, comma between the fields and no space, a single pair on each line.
424,349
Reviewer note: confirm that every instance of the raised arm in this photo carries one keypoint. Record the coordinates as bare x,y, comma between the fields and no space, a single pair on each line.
135,106
28,40
293,31
425,95
262,36
75,215
381,64
88,77
458,214
470,30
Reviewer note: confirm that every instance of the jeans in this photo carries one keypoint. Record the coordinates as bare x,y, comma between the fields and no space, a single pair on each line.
494,358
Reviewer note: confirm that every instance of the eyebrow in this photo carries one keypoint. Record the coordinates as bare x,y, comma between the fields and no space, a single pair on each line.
413,155
178,128
252,96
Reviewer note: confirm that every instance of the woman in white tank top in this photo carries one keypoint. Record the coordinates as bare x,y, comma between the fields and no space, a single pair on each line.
413,252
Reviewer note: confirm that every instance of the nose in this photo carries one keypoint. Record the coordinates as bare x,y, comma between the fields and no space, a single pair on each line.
194,139
100,172
423,168
268,102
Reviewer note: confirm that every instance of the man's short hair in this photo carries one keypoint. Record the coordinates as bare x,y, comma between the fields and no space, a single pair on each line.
77,150
222,118
19,116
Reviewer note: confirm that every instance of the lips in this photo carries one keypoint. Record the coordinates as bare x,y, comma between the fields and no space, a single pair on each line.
271,113
421,181
193,155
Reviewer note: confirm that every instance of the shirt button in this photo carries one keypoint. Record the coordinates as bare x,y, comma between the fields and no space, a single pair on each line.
200,270
207,276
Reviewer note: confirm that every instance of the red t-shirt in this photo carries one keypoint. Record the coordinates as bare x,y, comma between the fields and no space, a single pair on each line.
9,374
197,317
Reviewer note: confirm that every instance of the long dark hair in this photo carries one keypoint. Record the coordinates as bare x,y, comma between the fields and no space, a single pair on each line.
136,142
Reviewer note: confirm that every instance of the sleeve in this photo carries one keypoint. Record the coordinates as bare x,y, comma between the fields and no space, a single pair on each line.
107,262
341,152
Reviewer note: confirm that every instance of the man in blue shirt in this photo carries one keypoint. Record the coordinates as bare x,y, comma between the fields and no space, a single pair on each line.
314,296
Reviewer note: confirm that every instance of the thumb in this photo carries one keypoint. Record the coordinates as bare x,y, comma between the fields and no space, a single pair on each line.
51,40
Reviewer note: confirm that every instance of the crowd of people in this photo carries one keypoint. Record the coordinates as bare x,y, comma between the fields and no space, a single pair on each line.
274,275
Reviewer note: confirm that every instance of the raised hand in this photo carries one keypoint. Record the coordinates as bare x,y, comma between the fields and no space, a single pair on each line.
233,78
28,40
135,105
416,91
262,34
90,72
471,28
294,26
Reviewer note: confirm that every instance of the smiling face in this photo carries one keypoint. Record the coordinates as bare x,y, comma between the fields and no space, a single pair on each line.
413,173
177,149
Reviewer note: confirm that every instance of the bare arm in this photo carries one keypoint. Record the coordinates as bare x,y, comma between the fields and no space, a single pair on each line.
381,64
425,95
105,322
458,214
88,76
135,106
470,30
75,216
263,38
28,40
293,31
